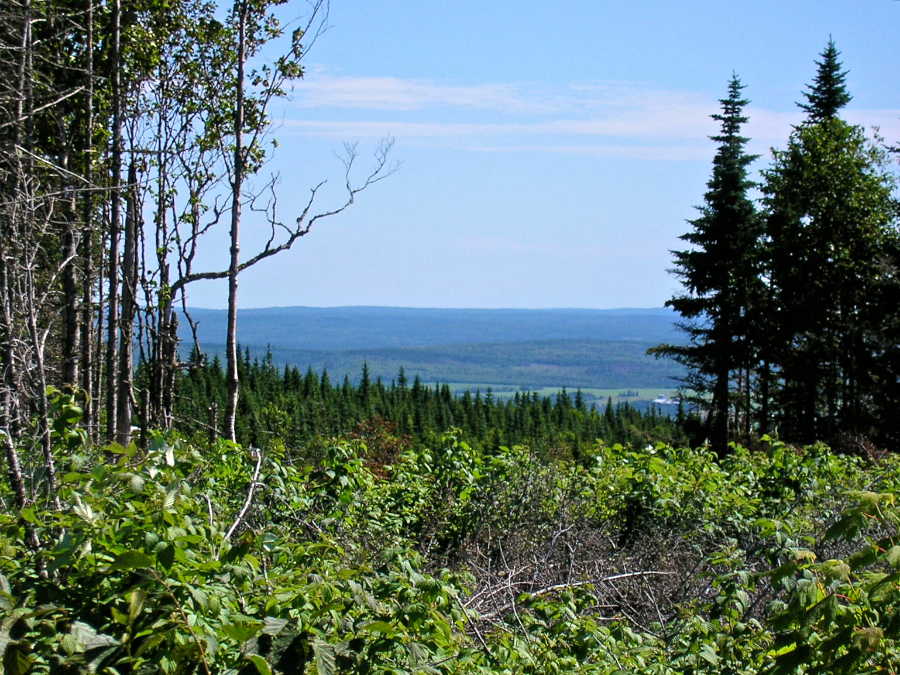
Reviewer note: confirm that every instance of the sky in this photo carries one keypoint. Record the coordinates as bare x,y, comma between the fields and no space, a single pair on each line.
549,153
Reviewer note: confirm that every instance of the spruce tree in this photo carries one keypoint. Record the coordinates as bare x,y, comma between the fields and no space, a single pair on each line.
831,230
720,274
831,224
828,93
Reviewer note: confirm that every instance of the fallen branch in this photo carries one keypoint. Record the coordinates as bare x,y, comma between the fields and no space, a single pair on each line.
474,626
559,587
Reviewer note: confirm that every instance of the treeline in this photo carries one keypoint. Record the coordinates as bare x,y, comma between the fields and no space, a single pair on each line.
287,406
790,302
532,364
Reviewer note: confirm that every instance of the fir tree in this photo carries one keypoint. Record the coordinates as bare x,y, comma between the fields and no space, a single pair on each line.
828,93
831,225
719,273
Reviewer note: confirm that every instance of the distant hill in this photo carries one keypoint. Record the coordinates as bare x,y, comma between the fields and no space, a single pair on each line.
341,328
518,348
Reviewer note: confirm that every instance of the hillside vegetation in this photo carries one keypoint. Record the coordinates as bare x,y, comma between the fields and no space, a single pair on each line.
379,556
294,409
524,349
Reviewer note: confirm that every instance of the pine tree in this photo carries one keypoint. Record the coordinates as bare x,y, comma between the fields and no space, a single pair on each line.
828,93
720,273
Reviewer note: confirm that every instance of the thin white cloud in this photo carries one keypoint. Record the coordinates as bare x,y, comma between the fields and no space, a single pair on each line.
659,120
391,93
582,249
649,152
773,128
612,119
887,122
320,90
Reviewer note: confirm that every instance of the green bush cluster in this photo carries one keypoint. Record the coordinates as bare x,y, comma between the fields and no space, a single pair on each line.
453,558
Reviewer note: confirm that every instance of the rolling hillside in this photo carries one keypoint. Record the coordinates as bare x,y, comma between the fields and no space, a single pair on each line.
514,348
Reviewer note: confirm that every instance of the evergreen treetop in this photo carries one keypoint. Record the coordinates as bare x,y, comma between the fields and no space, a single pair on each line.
828,93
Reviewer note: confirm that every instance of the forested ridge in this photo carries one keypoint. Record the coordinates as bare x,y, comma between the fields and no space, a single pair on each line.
169,515
343,328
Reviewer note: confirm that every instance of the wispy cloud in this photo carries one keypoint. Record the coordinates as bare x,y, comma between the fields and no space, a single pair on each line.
612,119
391,93
321,90
773,128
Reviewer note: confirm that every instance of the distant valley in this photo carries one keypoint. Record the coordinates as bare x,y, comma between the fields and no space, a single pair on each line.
598,350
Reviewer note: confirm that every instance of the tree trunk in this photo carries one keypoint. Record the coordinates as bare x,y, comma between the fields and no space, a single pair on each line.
718,435
233,269
71,310
87,253
112,325
125,406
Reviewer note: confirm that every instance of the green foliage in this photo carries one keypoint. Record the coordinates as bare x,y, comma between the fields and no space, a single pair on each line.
450,557
136,575
831,227
285,406
840,614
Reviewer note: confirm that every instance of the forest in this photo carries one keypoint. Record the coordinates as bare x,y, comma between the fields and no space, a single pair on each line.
164,514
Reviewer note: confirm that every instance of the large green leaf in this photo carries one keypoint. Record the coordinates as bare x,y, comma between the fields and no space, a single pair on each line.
131,560
324,655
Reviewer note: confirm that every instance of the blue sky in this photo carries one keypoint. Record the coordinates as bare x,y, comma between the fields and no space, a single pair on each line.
551,152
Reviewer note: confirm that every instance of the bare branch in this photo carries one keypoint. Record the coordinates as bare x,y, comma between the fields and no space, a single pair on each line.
304,223
254,481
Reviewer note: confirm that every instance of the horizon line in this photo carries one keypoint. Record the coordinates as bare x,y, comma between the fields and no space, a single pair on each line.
486,309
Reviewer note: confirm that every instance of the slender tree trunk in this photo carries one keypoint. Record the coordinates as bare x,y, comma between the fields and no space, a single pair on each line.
43,421
168,371
718,433
124,400
233,269
165,343
8,402
71,310
99,313
748,406
87,254
112,325
764,394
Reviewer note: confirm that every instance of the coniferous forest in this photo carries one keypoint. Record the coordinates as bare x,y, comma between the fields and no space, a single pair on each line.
163,515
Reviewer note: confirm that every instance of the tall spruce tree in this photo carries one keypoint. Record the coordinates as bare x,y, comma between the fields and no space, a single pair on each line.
719,274
830,222
828,93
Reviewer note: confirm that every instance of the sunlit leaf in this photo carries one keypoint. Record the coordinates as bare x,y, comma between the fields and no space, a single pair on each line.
131,560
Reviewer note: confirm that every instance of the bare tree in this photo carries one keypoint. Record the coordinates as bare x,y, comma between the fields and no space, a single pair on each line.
253,26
